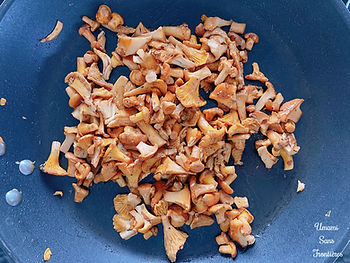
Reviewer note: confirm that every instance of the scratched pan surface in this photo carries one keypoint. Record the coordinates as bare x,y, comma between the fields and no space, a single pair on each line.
304,50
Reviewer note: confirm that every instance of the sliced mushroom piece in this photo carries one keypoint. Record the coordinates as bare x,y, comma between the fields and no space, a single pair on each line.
140,29
270,93
174,239
113,153
229,248
147,151
151,133
116,60
177,216
80,193
154,220
126,235
157,35
107,65
181,32
219,211
130,45
301,187
226,198
290,110
181,198
147,191
200,189
241,202
268,159
78,82
115,22
217,47
120,224
200,220
70,133
222,239
95,76
198,57
55,32
200,74
169,167
274,105
226,69
236,27
182,62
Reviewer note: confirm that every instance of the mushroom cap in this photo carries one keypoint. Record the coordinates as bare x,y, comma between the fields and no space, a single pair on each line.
188,94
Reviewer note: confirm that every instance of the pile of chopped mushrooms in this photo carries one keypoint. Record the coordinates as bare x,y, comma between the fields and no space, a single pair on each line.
151,124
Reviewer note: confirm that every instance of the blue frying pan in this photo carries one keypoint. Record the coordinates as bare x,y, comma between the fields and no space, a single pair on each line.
305,52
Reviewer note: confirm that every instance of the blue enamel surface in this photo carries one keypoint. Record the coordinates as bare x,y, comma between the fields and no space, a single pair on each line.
304,49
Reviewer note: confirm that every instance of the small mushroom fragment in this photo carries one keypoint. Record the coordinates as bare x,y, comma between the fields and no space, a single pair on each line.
301,186
251,39
236,27
229,248
55,32
80,193
3,102
222,239
58,193
146,191
241,202
47,254
70,133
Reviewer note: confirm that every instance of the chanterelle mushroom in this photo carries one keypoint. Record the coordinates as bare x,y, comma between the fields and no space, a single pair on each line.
174,239
188,94
52,166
